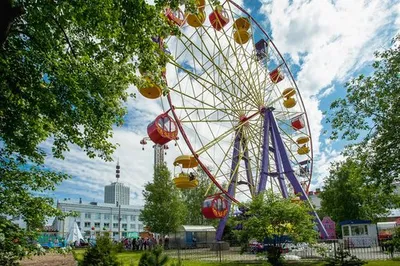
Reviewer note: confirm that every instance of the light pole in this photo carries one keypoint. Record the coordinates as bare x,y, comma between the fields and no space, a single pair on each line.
119,221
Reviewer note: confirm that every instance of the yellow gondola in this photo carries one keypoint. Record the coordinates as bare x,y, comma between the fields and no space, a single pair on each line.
186,161
241,36
289,103
289,92
302,140
201,5
196,20
184,181
150,90
242,23
303,150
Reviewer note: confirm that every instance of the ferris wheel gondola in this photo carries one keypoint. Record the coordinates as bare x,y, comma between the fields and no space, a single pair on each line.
237,108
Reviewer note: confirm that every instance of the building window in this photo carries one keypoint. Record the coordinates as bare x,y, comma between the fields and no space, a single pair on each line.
115,233
140,227
133,226
133,218
124,234
359,230
97,216
107,216
124,217
87,215
107,225
115,225
97,225
115,217
124,226
87,224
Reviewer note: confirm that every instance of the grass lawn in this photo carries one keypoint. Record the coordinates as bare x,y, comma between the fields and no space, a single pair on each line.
132,258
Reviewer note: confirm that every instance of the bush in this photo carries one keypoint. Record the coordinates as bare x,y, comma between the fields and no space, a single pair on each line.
102,254
344,258
153,258
394,244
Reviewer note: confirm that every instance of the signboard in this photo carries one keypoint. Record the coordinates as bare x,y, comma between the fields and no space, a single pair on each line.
132,235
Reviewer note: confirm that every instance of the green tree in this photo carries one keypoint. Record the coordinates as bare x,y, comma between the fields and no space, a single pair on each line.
193,199
369,116
153,258
346,196
103,253
269,216
64,72
163,210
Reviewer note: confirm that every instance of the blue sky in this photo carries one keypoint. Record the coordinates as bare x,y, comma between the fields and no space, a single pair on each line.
325,43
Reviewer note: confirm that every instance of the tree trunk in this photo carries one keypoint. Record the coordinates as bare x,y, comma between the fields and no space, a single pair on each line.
8,14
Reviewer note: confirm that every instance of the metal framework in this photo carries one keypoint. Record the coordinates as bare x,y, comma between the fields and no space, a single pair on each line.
230,115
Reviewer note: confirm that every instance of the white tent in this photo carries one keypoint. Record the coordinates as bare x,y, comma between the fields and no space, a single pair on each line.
74,234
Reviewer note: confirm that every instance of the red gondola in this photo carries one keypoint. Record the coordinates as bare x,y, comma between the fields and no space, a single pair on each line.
176,16
298,122
218,18
276,76
162,130
215,207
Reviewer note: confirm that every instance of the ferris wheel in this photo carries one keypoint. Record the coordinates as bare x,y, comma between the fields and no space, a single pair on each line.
233,106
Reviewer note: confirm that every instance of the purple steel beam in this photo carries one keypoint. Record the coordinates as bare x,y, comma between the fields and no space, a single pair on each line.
265,156
290,173
231,188
278,159
247,165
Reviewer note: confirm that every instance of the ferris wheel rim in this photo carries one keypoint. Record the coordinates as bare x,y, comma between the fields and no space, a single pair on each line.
304,112
294,82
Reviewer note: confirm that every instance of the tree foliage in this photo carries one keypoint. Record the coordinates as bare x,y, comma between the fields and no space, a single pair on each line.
65,67
369,115
269,216
193,199
163,210
16,200
153,258
346,196
103,253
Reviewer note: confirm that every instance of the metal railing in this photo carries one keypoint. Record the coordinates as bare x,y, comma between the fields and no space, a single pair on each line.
222,251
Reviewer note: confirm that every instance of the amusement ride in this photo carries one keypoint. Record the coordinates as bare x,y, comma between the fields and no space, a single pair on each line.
233,106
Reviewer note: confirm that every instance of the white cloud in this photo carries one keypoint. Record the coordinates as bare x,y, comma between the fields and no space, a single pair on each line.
328,40
326,92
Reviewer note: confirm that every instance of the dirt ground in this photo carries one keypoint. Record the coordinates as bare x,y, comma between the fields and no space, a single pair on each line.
50,260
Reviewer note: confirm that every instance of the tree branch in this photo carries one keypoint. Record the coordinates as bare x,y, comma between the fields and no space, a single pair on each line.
66,37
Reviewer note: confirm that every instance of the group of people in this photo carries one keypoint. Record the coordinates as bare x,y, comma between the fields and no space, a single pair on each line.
144,243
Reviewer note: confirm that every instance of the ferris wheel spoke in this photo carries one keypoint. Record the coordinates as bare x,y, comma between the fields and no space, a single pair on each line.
254,139
290,126
206,70
226,61
249,80
233,95
196,99
218,87
283,114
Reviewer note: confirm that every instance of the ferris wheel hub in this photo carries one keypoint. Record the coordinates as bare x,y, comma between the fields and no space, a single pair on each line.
244,120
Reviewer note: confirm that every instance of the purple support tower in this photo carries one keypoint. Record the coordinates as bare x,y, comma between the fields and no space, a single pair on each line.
249,175
282,159
265,159
231,188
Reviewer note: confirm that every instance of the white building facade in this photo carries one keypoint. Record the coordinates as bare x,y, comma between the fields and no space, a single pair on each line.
116,192
94,218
